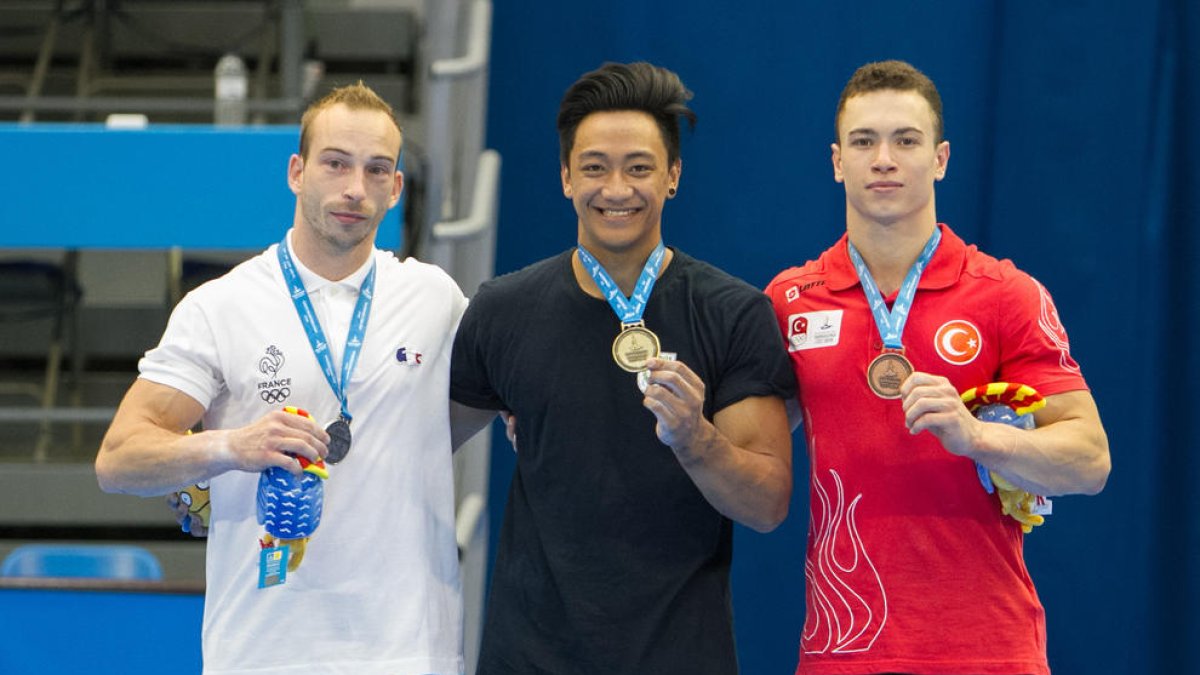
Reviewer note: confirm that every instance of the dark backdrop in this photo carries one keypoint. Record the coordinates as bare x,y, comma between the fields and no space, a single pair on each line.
1075,152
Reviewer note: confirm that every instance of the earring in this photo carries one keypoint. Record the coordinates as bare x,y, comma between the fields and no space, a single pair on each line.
670,192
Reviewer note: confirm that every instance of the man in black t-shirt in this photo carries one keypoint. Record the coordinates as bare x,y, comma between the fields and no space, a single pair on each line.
648,390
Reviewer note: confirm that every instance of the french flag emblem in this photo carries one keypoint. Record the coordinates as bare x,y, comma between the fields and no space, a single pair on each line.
407,358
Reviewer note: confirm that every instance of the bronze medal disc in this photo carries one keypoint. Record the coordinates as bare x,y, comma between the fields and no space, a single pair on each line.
634,346
886,373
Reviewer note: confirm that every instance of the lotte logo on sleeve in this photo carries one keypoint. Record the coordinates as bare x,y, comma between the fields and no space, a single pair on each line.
958,342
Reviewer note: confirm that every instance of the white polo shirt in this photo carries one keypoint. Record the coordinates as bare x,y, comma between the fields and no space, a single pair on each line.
378,590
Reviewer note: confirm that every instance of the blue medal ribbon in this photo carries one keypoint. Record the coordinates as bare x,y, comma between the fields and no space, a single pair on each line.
316,336
629,309
891,324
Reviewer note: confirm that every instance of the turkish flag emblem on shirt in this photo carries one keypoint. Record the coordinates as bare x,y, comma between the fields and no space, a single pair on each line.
958,342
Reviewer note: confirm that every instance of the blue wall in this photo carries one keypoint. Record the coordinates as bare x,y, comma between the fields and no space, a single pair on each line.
1072,153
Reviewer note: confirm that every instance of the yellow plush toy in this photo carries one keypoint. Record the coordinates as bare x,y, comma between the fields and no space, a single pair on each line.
195,498
1017,503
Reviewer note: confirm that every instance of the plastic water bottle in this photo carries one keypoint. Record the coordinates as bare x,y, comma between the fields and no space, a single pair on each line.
231,87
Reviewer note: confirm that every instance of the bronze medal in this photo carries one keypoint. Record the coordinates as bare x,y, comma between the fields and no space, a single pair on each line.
633,346
887,372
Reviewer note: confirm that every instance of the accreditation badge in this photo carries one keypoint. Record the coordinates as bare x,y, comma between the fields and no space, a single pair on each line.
643,377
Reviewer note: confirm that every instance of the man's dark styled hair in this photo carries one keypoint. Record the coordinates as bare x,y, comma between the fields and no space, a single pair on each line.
620,86
896,75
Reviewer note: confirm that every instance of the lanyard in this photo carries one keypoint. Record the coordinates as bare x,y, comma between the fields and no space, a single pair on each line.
316,336
891,325
629,309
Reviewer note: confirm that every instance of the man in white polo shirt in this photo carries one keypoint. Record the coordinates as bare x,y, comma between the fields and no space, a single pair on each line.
325,362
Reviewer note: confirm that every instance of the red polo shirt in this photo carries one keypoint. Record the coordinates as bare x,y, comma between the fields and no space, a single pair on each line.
910,566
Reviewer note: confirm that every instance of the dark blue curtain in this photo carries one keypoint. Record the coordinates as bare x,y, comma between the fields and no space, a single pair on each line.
1073,130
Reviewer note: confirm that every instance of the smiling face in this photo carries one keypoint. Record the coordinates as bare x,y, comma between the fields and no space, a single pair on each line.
346,182
888,157
618,178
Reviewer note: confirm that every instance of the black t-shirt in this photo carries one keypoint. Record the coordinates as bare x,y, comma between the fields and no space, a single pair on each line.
610,559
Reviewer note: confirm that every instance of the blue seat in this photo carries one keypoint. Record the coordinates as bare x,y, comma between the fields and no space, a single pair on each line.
94,561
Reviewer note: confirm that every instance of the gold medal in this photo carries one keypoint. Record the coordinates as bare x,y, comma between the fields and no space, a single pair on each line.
887,372
633,346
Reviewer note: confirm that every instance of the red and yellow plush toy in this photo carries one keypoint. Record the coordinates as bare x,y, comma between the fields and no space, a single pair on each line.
1012,404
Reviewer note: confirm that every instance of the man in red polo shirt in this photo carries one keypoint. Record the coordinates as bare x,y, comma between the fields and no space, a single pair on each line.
911,565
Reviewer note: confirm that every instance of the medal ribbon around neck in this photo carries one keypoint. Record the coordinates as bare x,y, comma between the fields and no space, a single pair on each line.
629,309
635,344
316,336
891,325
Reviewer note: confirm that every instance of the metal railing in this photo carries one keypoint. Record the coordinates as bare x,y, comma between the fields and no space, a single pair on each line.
458,233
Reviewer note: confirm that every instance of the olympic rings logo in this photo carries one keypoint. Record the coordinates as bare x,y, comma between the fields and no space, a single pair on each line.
275,395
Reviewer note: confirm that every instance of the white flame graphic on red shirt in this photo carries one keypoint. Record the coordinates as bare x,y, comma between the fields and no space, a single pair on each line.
847,604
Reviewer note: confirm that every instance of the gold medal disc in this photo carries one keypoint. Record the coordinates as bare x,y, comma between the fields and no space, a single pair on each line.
887,372
633,346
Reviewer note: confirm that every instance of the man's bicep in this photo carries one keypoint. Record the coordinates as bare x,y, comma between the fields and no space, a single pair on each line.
758,424
158,404
1075,405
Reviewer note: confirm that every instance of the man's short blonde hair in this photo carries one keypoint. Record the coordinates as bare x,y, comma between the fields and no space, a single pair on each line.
357,96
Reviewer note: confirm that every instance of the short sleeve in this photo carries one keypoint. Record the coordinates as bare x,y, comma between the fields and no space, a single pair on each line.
470,383
186,357
1035,349
756,364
